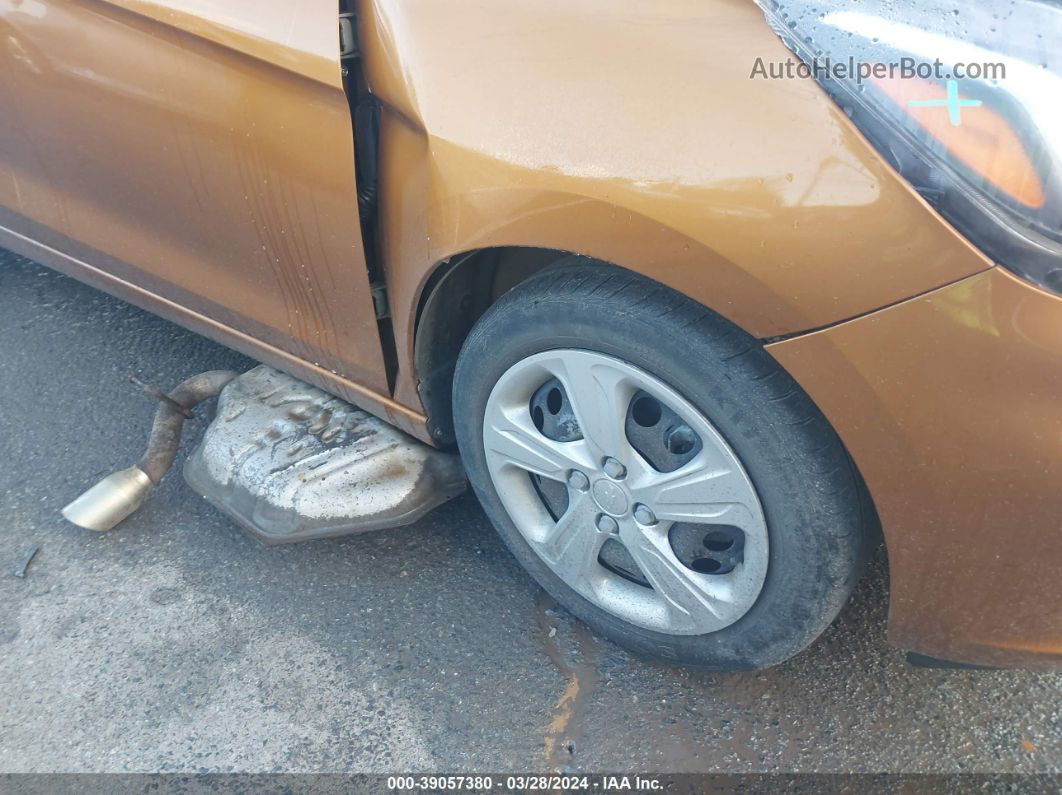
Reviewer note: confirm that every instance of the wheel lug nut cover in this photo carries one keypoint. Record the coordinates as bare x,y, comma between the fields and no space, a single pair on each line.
606,524
614,469
577,480
644,515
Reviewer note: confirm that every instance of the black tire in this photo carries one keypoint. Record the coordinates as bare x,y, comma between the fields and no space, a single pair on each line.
819,528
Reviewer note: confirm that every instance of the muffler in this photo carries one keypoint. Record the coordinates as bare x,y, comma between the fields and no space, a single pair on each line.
290,462
121,493
284,459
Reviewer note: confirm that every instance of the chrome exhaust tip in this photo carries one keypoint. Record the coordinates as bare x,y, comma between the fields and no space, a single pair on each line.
111,500
118,495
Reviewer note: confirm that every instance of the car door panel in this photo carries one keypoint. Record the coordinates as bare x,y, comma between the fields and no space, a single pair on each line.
205,147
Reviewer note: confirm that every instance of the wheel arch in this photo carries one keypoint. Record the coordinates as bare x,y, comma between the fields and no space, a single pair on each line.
459,289
455,295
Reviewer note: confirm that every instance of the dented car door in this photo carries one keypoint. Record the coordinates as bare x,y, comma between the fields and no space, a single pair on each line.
195,156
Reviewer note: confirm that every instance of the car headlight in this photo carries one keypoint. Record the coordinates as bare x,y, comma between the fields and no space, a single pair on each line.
963,99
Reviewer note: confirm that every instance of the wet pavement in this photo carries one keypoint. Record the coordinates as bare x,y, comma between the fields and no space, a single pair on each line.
177,643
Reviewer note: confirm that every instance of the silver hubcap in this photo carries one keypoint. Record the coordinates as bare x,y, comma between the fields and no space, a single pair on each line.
663,516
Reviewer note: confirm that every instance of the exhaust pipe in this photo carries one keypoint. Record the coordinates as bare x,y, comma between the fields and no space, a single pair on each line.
121,493
111,500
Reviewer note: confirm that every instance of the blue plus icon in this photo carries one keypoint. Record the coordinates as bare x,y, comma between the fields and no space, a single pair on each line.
952,103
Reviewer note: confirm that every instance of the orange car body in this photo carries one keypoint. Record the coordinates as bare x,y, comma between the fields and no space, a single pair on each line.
197,157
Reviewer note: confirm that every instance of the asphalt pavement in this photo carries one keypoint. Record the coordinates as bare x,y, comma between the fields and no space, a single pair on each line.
177,643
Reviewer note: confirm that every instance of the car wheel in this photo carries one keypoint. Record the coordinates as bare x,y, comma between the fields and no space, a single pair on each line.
656,471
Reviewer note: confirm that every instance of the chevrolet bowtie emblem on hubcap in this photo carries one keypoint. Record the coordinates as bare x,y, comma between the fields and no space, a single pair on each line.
610,497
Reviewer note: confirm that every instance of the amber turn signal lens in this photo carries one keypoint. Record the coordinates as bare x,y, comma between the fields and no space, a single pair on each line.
982,140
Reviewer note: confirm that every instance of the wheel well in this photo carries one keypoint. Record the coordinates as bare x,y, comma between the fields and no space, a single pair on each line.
458,292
